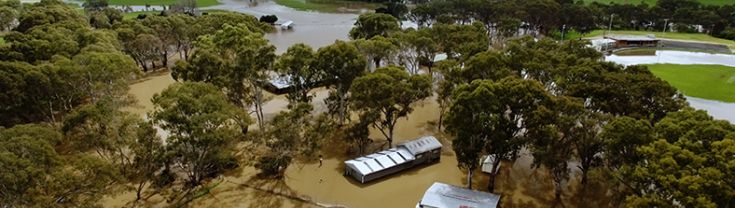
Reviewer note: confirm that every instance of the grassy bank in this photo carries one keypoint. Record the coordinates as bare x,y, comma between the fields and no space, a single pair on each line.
200,3
714,82
327,5
652,2
133,15
669,35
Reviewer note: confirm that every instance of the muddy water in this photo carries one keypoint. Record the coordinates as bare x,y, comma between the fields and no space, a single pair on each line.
144,90
312,28
520,185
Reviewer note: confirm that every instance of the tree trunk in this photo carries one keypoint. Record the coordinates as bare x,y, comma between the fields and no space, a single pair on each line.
494,174
259,107
164,59
441,118
138,193
469,178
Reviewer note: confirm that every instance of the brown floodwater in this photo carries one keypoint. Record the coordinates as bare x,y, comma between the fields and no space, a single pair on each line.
305,182
520,185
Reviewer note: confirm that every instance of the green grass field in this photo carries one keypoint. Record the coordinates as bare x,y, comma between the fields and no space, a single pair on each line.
327,5
2,40
652,2
669,35
133,15
714,82
200,3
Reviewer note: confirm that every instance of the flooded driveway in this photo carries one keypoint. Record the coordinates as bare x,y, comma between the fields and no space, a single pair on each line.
717,109
312,28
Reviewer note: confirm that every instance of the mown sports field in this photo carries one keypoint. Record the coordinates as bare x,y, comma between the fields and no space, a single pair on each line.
652,2
714,82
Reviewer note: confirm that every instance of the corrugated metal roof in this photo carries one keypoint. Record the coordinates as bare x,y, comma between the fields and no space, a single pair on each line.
421,145
380,160
632,38
444,195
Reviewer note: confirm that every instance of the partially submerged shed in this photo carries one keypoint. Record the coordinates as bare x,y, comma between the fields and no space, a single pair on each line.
403,156
441,195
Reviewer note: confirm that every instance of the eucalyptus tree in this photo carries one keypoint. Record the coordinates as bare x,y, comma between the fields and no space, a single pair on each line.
204,128
491,116
297,65
237,61
342,64
387,95
370,25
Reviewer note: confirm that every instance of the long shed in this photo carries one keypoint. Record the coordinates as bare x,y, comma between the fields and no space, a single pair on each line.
403,156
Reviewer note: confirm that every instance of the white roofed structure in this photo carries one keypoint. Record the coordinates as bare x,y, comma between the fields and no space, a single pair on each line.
380,160
373,166
442,195
421,145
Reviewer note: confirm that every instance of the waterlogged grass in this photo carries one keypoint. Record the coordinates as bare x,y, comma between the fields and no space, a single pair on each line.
653,2
333,6
714,82
200,3
669,35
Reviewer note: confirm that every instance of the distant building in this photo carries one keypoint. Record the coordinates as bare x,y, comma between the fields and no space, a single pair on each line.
634,41
441,195
404,156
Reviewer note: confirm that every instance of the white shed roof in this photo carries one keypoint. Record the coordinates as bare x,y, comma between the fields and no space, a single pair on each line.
421,145
444,195
380,160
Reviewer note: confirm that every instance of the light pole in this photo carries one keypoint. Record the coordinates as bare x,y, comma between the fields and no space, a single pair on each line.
609,29
666,24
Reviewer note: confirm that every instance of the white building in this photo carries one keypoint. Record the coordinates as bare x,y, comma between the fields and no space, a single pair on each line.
441,195
404,156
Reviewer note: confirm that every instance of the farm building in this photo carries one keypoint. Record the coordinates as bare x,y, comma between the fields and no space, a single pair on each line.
444,195
634,41
404,156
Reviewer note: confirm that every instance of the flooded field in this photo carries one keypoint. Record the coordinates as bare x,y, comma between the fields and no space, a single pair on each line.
308,185
520,185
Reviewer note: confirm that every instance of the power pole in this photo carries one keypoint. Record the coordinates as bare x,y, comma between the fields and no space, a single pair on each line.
609,29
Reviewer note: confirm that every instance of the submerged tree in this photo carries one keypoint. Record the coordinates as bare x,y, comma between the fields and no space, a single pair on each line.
388,95
342,63
291,135
298,67
236,60
490,115
204,128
